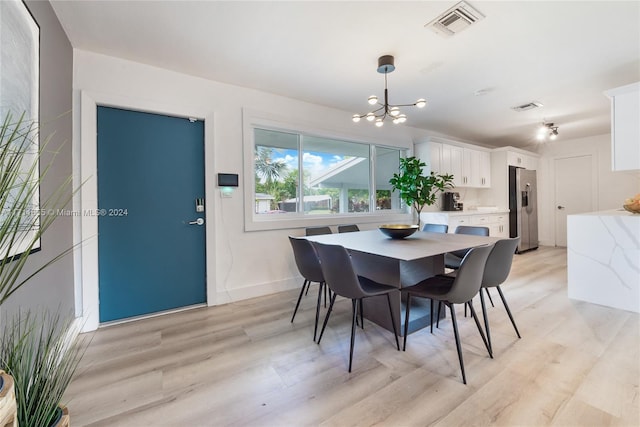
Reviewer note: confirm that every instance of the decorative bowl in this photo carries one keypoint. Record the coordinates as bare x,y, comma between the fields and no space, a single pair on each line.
398,231
633,208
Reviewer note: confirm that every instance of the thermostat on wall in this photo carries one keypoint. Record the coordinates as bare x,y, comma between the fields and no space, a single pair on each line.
227,180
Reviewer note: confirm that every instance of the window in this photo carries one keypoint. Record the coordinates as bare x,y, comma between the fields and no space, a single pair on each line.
304,175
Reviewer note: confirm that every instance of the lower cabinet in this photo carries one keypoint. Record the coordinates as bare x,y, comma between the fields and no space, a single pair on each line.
498,223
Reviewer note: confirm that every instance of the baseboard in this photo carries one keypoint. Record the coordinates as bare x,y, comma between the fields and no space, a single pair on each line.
258,290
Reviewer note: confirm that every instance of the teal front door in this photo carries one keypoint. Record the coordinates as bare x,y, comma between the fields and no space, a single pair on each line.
151,235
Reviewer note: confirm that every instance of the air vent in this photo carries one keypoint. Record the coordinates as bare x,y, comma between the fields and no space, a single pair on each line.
528,106
456,19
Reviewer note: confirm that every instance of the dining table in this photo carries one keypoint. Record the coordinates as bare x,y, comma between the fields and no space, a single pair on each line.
400,263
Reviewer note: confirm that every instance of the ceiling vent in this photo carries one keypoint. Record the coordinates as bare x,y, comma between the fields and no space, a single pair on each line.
528,106
456,19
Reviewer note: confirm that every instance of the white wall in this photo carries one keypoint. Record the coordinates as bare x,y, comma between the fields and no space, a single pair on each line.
239,264
611,188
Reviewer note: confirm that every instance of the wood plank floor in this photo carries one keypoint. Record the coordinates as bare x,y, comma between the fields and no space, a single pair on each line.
245,364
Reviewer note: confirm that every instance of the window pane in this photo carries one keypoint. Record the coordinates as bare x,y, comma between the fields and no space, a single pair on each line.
275,171
336,176
387,163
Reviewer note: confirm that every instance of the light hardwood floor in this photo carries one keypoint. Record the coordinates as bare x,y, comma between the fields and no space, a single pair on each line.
245,364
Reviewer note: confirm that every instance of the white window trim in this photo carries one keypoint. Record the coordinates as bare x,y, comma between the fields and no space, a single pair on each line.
252,119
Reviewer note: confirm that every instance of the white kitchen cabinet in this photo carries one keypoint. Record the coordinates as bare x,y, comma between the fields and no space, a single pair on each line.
476,168
625,127
469,167
522,160
431,154
498,223
452,163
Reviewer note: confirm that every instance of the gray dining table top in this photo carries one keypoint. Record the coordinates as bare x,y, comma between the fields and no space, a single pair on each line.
419,245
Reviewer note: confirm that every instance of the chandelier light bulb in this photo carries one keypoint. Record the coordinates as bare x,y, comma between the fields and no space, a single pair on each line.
421,103
553,136
373,100
356,118
542,129
379,123
540,136
394,111
402,118
370,117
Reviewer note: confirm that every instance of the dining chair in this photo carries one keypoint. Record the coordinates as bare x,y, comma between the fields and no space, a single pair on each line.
450,290
342,279
496,272
350,228
317,231
308,265
436,228
453,259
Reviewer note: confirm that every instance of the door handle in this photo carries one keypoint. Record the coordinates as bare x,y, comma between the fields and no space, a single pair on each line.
199,221
560,207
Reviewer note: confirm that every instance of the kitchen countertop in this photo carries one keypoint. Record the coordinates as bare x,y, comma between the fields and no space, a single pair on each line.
469,212
612,212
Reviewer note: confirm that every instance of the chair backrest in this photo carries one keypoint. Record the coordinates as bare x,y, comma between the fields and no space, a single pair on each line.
470,229
306,259
436,228
499,262
338,271
350,228
316,231
469,276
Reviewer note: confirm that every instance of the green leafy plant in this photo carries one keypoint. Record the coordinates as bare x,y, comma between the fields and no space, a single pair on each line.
21,225
41,353
416,189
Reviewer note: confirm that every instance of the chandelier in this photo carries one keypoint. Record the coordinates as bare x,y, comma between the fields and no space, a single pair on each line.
385,65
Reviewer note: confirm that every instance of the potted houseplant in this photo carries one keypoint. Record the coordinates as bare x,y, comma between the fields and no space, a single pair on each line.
416,189
40,352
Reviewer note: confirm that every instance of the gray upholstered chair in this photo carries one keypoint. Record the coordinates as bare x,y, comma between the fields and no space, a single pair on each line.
350,228
308,265
316,231
496,272
453,259
342,279
450,290
436,228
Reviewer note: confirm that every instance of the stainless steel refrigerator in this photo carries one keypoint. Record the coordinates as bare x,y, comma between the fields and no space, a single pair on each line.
523,207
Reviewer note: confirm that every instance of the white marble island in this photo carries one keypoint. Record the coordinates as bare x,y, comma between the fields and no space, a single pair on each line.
603,258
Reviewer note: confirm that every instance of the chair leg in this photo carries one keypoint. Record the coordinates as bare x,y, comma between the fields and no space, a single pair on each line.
304,284
322,286
458,346
475,318
326,318
406,322
393,322
489,295
431,315
354,309
361,314
308,286
486,320
504,301
438,319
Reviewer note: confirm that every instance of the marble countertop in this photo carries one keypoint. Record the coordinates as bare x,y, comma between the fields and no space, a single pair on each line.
470,212
611,212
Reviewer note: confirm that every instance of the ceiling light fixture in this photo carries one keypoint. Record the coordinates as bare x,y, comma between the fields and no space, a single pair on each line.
547,130
385,66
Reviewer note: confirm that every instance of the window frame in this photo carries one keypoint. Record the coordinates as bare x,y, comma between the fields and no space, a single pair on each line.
299,219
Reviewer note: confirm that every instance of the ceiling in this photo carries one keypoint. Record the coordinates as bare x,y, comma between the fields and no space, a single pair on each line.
561,54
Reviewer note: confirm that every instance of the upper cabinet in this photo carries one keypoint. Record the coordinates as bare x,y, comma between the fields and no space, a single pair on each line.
625,127
469,167
522,160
